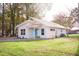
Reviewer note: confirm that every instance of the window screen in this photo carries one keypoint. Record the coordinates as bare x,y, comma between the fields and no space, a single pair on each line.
42,31
22,31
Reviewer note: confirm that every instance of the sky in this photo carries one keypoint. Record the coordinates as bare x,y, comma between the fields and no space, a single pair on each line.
59,6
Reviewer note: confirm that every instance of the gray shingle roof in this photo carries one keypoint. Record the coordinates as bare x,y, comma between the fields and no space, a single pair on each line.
46,23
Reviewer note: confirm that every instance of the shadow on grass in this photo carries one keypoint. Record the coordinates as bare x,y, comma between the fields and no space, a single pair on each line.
77,52
74,36
29,40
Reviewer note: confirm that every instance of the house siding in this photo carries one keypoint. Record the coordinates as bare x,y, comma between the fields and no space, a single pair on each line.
29,31
26,32
47,32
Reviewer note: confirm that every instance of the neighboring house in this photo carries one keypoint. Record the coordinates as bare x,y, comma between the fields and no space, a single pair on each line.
75,28
37,28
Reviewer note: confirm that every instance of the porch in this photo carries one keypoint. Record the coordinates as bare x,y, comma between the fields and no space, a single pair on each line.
34,33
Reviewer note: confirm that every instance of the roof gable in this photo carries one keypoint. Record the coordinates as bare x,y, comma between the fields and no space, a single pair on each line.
41,22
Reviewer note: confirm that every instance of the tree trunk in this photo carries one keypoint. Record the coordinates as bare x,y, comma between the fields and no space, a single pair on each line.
12,23
27,12
3,21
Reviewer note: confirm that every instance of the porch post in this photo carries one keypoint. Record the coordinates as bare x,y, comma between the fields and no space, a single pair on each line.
34,33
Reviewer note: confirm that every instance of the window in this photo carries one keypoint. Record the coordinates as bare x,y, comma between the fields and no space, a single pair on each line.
42,31
61,30
52,29
22,31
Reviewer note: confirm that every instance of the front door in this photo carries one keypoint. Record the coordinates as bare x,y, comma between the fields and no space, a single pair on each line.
33,33
36,32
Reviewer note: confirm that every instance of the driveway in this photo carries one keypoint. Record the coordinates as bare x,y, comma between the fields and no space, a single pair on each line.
8,39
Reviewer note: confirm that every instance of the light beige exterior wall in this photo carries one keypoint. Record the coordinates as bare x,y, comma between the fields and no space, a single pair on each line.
26,32
64,31
47,34
60,31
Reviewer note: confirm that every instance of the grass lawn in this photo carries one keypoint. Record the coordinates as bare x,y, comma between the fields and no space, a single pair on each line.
73,36
51,47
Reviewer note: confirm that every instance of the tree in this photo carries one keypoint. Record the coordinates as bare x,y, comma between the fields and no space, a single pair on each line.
15,13
3,20
12,23
64,20
75,14
12,17
36,10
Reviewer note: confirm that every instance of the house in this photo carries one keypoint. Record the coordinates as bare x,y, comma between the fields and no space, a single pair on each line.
36,28
75,28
